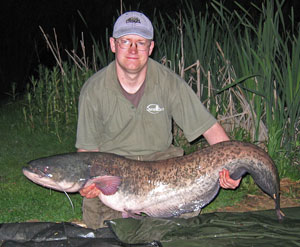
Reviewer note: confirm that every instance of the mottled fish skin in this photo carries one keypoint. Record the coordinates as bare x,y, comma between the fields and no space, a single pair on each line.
179,185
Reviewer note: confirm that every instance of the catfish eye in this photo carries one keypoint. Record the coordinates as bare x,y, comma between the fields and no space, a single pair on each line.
47,173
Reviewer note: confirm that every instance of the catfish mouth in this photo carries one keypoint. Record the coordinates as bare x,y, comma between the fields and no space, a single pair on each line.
47,181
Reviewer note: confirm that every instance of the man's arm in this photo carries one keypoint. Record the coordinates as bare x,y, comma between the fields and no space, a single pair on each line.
213,135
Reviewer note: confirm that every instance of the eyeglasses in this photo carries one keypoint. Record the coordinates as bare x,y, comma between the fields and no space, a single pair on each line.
126,44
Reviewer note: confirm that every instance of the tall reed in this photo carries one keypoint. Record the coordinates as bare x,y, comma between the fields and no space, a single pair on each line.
52,99
263,49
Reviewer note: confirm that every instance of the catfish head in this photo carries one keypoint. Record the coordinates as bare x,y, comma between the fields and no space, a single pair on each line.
65,172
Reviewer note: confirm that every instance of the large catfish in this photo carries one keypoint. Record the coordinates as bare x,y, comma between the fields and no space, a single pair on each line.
157,188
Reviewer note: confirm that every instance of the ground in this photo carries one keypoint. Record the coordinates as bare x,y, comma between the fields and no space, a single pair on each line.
289,197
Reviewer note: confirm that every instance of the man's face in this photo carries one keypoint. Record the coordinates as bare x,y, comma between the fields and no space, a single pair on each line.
131,52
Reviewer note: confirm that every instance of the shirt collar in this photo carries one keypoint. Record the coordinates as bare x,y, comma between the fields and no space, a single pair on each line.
112,83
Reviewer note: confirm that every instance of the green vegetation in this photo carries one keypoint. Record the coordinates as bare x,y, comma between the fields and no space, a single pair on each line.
243,64
21,200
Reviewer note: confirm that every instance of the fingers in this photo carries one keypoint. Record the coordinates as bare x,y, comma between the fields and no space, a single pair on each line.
226,181
86,190
90,191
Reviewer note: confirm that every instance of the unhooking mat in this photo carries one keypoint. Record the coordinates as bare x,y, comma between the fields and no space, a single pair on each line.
260,228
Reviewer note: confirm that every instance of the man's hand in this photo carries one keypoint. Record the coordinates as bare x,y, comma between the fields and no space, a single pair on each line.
90,191
226,182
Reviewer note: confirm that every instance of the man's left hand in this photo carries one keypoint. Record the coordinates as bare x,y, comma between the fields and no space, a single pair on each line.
226,182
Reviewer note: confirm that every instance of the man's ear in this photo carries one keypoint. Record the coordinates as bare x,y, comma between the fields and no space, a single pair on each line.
151,47
112,44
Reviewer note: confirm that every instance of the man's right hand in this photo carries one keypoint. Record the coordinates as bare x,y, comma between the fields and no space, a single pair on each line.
90,191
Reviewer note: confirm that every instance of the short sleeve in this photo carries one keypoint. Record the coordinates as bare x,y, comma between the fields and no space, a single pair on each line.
189,113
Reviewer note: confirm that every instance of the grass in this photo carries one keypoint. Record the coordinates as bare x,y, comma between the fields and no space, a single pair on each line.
21,200
225,198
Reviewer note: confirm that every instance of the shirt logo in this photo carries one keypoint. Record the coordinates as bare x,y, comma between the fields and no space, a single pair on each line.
154,108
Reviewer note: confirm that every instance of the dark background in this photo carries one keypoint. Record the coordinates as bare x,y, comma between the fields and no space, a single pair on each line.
23,48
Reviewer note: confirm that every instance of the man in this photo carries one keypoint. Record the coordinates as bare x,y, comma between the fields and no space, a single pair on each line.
127,108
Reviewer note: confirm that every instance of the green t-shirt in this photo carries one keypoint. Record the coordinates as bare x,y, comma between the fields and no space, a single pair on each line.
109,122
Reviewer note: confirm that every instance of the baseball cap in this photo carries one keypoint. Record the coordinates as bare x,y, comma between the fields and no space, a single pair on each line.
133,22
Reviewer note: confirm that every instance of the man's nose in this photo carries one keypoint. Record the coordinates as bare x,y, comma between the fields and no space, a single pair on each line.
133,47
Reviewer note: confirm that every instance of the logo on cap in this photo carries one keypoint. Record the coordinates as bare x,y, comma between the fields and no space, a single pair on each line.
133,20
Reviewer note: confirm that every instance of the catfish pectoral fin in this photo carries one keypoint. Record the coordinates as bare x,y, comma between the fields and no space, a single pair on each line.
107,184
